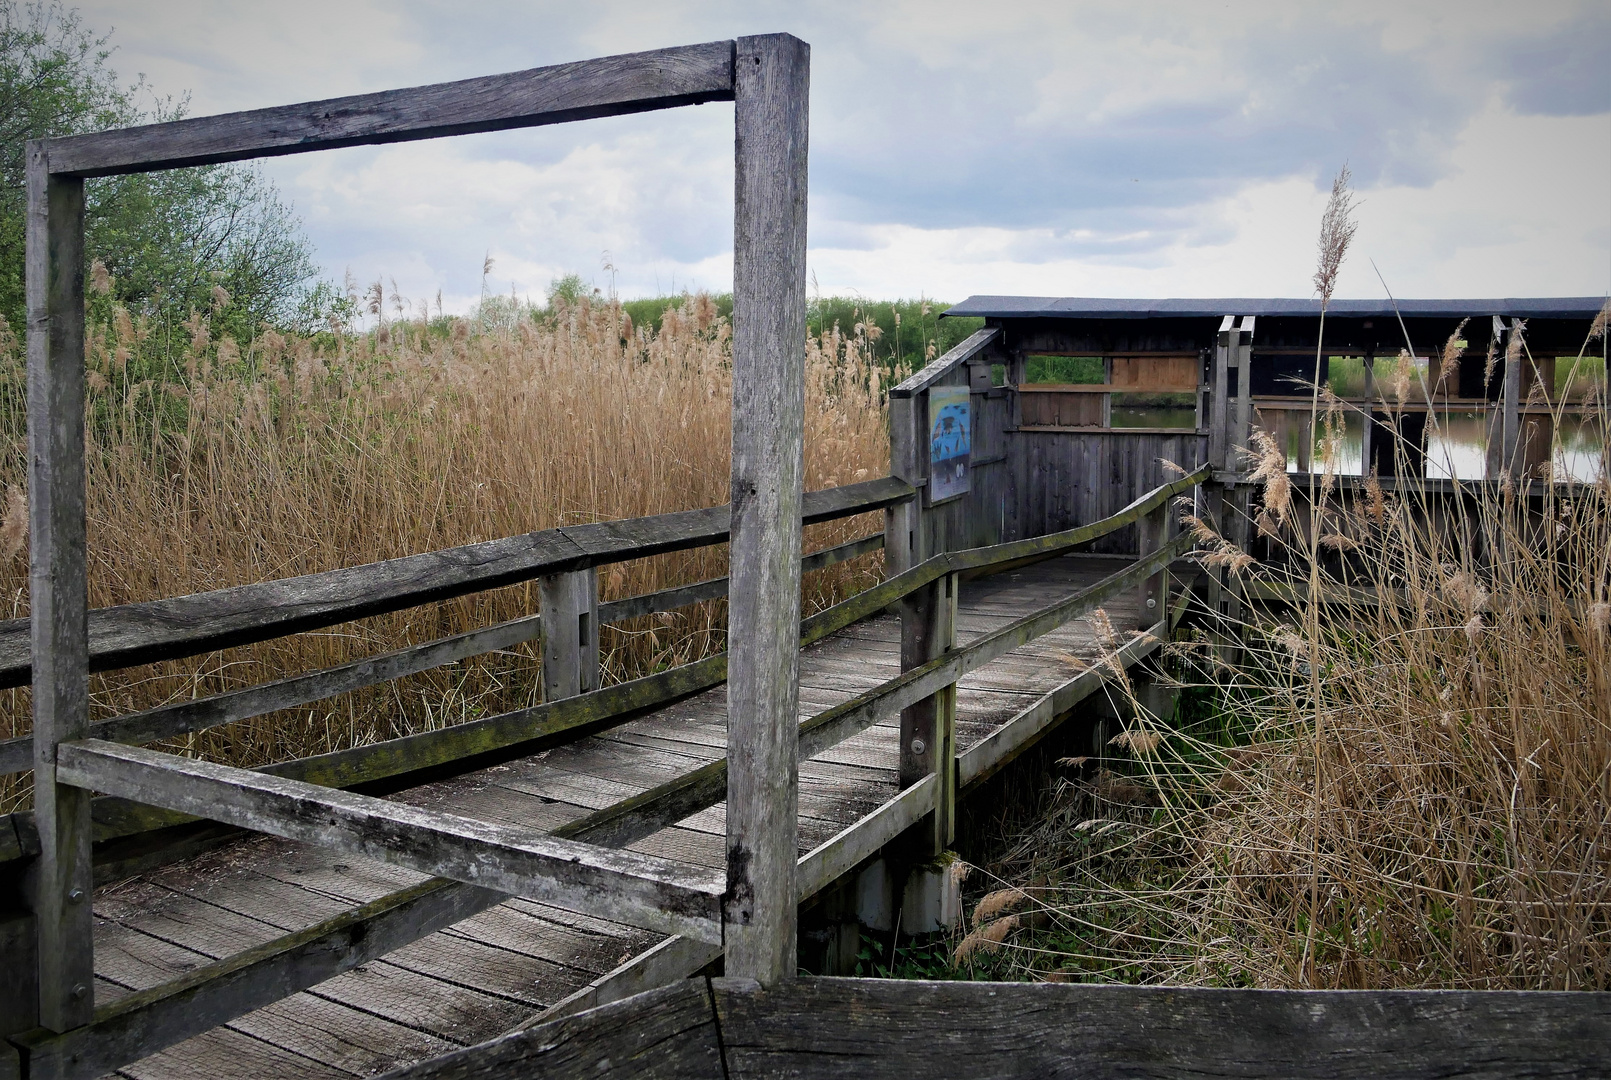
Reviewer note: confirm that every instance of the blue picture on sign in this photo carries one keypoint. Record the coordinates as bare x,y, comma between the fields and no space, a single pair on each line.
950,441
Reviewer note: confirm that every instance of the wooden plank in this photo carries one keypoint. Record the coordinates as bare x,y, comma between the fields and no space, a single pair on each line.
869,1028
679,957
198,715
135,1026
771,83
58,587
971,346
665,1033
183,626
1178,374
608,86
628,888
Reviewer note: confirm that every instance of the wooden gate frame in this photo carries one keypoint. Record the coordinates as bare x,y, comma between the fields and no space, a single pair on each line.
767,78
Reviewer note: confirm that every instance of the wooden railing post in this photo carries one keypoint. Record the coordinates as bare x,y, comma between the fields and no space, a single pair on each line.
1513,457
771,82
59,593
1494,456
570,613
1153,532
945,724
904,542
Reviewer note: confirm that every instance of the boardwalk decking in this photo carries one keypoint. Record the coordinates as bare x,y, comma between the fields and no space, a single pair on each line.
508,964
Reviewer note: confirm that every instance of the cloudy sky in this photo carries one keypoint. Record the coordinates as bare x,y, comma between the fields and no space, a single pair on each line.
1075,148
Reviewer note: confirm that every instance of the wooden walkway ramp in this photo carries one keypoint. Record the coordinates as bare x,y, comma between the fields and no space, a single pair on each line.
512,963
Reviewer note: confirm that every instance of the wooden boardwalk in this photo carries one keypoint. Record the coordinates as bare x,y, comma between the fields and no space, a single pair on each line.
507,965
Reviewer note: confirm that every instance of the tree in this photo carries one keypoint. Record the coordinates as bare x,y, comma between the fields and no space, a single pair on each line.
168,239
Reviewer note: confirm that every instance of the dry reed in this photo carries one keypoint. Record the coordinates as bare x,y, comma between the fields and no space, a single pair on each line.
290,456
1405,781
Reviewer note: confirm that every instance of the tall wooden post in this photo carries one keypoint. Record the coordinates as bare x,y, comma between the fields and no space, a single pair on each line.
1242,360
905,543
1219,414
59,593
771,82
1367,431
1512,407
1494,456
570,609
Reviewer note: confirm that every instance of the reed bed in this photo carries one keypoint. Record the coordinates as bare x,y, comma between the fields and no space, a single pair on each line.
1403,779
242,463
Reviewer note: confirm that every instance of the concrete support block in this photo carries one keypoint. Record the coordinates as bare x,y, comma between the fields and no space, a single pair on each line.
875,896
932,902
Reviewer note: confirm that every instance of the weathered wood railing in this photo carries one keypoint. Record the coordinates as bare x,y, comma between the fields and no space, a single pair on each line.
482,864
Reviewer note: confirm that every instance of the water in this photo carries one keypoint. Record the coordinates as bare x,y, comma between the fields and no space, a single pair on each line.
1131,416
1456,447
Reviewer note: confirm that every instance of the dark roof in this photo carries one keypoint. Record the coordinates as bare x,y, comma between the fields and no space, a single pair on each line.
1086,307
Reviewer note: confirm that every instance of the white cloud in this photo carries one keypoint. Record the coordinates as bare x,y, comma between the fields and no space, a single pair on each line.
1102,148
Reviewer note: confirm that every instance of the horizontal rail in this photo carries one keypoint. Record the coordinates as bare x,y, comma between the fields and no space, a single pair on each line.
942,366
609,86
716,588
202,622
182,718
876,1028
638,890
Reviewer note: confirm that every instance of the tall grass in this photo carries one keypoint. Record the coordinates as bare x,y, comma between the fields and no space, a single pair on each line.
235,464
1401,780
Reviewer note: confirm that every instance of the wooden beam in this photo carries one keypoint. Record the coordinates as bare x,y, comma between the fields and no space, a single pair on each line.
183,626
859,1028
771,85
1511,415
894,1027
609,86
58,588
942,366
635,889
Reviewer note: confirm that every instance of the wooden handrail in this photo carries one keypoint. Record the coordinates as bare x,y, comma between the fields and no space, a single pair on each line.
942,366
186,717
181,626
